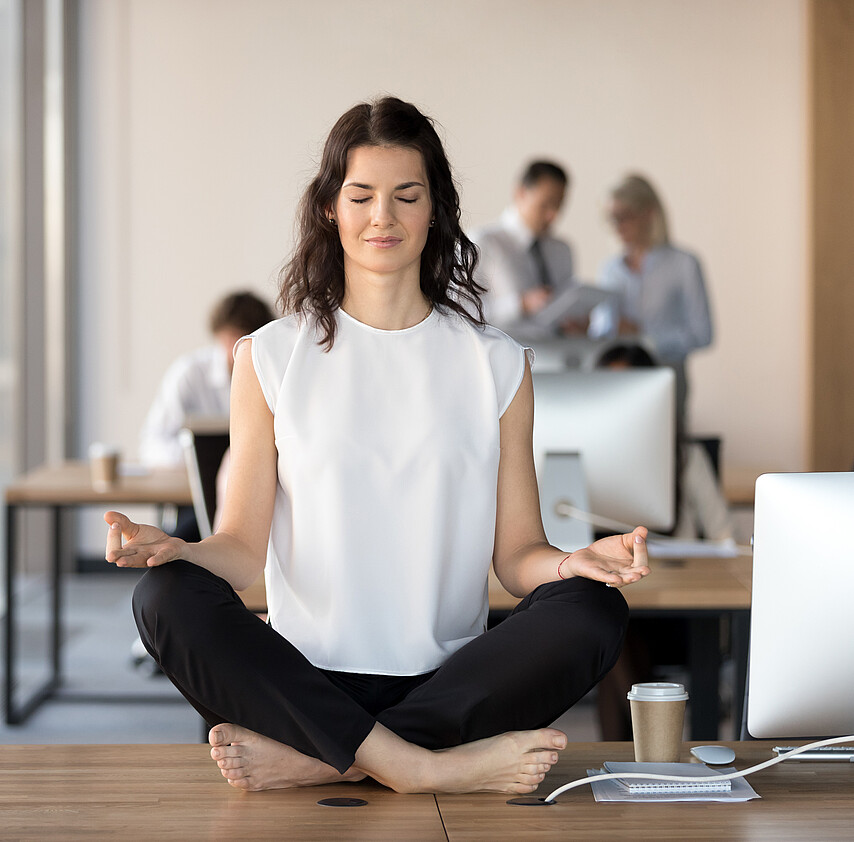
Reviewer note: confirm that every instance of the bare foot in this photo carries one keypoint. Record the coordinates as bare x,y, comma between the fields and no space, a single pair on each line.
251,761
513,762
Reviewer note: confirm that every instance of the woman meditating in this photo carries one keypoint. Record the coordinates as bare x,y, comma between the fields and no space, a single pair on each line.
381,460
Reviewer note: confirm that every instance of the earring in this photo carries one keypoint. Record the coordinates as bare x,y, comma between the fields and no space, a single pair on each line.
432,223
333,222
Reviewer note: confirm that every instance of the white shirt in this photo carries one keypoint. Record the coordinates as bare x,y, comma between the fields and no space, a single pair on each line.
507,268
197,383
666,299
384,517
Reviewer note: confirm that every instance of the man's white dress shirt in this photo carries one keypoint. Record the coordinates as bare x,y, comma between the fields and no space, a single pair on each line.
508,270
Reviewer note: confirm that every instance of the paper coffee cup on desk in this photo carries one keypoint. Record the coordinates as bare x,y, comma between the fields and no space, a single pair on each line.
658,713
103,465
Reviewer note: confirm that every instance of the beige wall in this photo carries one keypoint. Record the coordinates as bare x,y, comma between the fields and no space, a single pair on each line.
202,120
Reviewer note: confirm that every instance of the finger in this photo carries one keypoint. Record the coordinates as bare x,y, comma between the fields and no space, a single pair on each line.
616,572
613,577
128,527
131,561
114,541
640,556
161,557
120,527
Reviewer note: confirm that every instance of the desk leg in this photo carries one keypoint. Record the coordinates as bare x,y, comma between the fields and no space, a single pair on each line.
705,664
9,620
15,714
56,596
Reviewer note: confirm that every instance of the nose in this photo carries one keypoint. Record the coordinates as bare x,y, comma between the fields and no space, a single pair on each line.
382,213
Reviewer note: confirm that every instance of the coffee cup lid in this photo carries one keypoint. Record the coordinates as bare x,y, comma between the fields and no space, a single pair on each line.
657,691
99,449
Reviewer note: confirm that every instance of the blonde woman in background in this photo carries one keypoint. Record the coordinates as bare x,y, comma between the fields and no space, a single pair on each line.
661,294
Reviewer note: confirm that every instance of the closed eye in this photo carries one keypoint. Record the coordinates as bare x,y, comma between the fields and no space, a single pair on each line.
359,201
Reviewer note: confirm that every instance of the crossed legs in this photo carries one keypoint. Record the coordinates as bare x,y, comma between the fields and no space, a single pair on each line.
278,721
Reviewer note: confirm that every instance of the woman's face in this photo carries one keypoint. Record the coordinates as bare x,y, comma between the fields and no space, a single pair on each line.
633,225
383,213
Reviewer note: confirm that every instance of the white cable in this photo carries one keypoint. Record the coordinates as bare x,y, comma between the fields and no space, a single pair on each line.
729,777
564,508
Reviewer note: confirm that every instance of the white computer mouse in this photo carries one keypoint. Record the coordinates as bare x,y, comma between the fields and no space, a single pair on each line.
714,755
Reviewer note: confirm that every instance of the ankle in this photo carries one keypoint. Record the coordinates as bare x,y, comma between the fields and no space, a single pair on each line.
418,773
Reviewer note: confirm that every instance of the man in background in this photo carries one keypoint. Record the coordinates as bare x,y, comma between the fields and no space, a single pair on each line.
198,384
522,264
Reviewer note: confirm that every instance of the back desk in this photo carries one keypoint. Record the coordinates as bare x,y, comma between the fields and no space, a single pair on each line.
713,594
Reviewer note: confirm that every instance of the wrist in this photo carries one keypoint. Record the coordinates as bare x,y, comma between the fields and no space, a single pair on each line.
560,564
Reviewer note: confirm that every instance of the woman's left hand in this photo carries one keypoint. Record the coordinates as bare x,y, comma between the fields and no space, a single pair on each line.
617,560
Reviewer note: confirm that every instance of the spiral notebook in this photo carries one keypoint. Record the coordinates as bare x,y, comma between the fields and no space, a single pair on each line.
709,782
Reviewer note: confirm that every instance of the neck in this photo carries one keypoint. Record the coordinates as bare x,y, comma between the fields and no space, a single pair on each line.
635,255
385,303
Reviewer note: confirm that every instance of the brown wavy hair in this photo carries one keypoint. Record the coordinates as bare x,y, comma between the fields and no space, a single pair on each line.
311,283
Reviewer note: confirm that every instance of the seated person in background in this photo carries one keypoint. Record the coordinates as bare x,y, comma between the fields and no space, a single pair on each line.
701,512
198,383
522,265
661,292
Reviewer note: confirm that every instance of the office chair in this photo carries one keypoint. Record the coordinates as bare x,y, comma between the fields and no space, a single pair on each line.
203,454
712,446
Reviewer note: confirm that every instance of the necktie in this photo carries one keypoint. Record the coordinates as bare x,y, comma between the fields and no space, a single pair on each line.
539,261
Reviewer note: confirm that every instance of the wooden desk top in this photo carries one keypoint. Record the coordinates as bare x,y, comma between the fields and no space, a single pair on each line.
176,792
713,583
806,801
68,483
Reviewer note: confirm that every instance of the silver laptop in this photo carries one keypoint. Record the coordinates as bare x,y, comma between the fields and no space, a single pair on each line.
801,680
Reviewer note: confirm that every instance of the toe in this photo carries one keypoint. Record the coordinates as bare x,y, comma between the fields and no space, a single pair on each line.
551,738
535,768
522,789
221,752
221,734
541,758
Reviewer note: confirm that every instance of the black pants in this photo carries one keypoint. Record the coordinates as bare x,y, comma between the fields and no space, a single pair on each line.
233,667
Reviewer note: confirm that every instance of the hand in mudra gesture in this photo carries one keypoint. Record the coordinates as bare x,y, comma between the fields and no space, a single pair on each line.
132,544
616,560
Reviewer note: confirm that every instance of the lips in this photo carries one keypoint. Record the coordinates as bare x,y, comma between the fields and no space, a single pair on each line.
384,242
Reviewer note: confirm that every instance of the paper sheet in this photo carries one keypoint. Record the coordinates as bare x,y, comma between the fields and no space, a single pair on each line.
678,548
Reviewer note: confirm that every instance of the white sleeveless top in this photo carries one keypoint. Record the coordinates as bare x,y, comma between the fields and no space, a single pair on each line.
384,518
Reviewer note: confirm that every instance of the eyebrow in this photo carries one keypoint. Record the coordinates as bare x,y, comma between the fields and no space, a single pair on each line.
403,186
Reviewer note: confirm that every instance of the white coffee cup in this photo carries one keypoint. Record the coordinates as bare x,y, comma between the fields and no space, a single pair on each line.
658,715
103,465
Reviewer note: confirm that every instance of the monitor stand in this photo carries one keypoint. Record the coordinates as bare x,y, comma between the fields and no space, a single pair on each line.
563,481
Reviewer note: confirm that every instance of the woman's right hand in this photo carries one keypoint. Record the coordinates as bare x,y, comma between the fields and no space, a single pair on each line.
132,544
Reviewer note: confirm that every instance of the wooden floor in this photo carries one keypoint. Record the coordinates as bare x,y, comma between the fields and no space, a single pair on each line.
175,792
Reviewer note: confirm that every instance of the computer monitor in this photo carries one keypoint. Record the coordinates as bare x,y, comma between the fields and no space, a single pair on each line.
623,425
801,675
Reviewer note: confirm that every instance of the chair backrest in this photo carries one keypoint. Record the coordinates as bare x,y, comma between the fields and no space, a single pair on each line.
203,453
712,446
